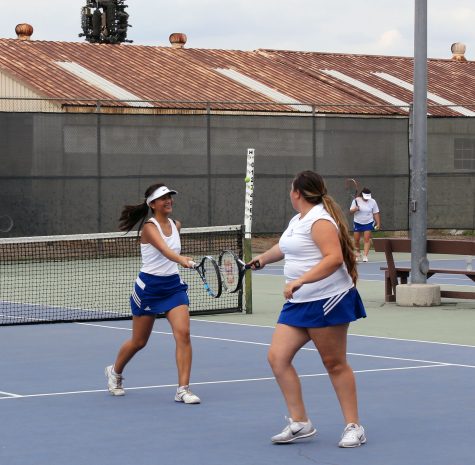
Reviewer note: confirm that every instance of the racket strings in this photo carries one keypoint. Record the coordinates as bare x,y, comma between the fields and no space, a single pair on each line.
211,275
230,271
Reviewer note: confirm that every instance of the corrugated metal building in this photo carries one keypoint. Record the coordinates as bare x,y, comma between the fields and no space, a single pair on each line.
187,116
288,81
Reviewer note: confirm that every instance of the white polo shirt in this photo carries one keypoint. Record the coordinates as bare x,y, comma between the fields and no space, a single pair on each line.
367,208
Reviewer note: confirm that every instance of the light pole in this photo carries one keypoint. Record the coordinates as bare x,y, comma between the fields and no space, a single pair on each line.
418,201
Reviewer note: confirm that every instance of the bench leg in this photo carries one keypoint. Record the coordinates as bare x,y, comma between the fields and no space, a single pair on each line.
389,295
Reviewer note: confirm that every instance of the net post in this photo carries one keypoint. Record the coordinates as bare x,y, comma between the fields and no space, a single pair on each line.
247,243
248,277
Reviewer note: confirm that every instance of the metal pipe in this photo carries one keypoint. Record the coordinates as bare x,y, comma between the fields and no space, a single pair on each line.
418,203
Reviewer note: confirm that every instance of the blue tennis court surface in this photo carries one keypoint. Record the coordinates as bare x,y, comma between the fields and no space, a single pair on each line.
416,400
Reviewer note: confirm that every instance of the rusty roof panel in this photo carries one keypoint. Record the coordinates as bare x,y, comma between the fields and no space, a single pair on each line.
173,78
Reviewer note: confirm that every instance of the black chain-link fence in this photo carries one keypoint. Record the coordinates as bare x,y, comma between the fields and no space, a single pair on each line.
71,172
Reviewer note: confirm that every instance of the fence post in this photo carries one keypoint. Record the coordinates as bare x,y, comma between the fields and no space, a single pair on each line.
208,159
314,139
99,166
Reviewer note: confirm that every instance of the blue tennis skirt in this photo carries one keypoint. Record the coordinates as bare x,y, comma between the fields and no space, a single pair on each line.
358,227
153,295
339,309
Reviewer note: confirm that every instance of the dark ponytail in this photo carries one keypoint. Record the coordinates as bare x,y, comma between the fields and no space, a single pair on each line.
132,214
313,189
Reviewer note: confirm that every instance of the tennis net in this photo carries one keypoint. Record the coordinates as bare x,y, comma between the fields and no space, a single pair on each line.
90,276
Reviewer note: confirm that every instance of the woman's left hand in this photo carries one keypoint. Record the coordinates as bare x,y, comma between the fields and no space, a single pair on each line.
291,287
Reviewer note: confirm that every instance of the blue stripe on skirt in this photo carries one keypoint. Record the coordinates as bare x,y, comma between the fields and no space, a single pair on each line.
339,309
157,294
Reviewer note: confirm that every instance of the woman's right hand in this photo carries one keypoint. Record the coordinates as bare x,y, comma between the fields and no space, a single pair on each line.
256,263
186,262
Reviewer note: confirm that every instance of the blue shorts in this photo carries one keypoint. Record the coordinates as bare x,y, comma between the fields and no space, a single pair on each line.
358,227
153,295
339,309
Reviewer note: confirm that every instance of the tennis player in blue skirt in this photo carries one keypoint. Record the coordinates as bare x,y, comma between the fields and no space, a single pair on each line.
158,288
366,219
320,271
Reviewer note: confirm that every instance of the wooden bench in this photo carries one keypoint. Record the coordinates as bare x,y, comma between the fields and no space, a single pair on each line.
394,275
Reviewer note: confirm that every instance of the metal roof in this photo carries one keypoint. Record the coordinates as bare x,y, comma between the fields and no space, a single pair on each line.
260,80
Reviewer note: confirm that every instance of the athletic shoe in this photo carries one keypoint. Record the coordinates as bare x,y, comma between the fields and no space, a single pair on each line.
365,258
353,436
114,382
358,258
293,431
183,394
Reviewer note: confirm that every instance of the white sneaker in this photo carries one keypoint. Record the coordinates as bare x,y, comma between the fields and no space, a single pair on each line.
353,436
183,394
293,431
365,258
114,381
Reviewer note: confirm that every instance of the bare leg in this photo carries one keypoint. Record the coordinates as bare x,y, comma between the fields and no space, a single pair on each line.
356,238
331,344
286,341
179,320
367,242
141,330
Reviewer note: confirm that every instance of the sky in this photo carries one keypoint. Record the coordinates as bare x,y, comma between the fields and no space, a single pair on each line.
374,27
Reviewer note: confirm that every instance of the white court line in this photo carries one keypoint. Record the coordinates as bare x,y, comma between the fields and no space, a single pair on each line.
231,323
239,341
9,394
200,383
413,340
435,279
349,334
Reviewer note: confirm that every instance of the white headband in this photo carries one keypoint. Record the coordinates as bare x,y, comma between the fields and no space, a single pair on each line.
157,193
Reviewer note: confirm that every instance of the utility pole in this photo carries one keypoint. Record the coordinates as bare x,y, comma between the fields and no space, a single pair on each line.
418,201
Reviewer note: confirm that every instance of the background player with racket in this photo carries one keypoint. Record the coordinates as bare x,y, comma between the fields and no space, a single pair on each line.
320,272
158,288
366,218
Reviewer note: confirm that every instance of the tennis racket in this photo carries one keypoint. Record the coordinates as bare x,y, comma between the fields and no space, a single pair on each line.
352,188
232,270
208,270
6,223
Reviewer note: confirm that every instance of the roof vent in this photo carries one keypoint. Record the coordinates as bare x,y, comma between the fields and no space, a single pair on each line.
24,31
458,51
177,39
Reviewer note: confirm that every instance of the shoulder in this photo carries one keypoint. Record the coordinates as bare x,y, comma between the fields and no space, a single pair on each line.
177,224
294,218
149,230
150,224
317,212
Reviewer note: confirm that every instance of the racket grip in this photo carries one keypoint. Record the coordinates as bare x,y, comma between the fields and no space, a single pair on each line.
192,264
257,265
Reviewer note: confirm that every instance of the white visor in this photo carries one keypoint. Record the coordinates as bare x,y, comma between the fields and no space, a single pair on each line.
366,196
160,192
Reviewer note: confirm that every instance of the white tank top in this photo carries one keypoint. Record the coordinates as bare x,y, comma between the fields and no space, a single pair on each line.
301,254
153,261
